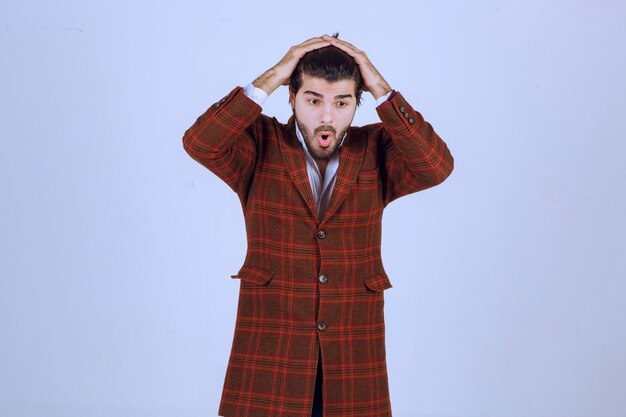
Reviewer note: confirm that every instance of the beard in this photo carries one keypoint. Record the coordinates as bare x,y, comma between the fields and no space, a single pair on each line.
316,151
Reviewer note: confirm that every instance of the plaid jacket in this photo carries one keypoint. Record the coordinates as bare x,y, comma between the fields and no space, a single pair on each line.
307,284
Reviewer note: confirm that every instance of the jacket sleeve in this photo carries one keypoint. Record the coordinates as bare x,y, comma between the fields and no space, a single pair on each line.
413,156
223,139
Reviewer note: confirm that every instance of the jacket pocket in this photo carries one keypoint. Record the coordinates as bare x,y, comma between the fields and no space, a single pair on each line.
254,274
367,177
378,282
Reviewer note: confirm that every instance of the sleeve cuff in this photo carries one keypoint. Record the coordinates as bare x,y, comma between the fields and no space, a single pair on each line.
255,94
380,100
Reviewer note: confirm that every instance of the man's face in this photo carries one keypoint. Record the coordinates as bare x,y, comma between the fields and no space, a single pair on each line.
324,111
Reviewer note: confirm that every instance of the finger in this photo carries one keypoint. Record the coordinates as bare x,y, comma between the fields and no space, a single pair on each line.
314,41
302,49
347,48
317,44
341,42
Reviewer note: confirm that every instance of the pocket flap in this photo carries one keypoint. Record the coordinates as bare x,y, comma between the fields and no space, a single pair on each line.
253,274
378,282
369,176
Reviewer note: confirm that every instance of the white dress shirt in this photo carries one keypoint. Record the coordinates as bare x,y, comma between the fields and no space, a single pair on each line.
322,188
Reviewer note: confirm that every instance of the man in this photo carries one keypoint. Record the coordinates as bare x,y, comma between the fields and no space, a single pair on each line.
310,325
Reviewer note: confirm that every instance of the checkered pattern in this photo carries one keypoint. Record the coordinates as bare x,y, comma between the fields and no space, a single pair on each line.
286,310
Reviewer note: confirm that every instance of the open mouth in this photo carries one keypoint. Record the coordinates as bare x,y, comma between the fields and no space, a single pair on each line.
324,139
325,135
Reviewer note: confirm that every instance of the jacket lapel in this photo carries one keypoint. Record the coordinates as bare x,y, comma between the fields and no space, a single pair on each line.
293,155
350,159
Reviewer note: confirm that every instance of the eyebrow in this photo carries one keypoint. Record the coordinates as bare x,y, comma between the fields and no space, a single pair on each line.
340,96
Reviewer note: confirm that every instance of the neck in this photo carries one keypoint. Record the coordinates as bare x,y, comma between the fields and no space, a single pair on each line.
321,165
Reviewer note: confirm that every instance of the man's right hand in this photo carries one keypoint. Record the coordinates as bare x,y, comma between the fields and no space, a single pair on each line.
280,73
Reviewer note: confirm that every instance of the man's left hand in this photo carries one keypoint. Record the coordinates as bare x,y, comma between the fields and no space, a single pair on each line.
372,80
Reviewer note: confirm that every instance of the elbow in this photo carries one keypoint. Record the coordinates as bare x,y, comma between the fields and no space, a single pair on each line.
441,169
447,167
193,147
187,143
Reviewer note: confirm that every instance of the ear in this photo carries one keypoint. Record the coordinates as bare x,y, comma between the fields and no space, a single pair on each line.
292,99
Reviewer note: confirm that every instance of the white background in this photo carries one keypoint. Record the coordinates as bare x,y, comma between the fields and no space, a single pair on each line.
116,248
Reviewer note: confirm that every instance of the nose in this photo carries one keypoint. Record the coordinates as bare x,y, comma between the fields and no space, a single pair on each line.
327,116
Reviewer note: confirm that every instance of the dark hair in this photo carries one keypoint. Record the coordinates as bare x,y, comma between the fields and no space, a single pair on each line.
328,63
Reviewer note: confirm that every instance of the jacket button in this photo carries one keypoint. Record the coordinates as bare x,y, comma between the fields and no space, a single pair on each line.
323,279
321,234
411,121
321,325
402,109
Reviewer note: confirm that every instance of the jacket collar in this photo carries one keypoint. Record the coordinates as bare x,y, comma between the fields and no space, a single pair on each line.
350,157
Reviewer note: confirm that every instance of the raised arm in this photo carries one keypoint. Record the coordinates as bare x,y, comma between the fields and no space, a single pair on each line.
280,73
224,138
413,156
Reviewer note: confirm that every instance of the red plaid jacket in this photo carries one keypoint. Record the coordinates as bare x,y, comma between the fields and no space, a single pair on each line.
308,284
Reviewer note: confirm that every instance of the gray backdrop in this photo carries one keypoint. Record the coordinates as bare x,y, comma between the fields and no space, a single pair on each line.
116,248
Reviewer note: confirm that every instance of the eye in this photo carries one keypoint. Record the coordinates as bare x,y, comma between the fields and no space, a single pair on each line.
314,101
342,104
